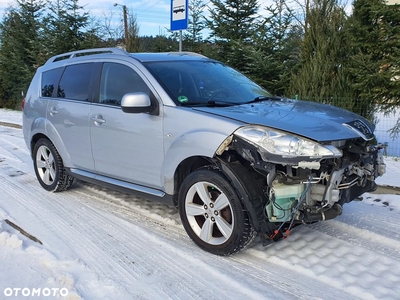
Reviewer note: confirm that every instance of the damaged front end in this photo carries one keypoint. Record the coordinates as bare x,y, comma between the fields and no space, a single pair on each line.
303,181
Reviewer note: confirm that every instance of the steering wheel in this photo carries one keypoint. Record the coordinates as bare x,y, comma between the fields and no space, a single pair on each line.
220,92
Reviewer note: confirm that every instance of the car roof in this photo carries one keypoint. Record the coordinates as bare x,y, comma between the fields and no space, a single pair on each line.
142,57
168,56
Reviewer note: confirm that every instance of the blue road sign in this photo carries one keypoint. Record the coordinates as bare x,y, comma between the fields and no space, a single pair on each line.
179,14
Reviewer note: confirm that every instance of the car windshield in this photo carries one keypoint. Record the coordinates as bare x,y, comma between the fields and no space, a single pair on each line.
204,83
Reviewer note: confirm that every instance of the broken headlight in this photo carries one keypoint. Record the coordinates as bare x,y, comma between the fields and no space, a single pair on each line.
278,143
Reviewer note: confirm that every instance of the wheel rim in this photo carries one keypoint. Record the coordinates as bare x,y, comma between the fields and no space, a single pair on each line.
45,165
209,213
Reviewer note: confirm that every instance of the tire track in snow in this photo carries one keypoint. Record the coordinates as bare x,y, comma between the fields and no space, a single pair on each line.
357,272
12,151
377,232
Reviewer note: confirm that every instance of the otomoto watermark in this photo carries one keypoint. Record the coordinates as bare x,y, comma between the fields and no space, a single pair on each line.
33,292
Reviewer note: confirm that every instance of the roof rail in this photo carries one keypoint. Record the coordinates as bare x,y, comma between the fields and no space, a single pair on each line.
189,53
79,53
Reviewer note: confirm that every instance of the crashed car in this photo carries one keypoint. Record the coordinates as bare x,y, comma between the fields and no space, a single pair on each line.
179,127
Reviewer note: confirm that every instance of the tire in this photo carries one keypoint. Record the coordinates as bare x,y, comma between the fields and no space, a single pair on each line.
49,167
212,214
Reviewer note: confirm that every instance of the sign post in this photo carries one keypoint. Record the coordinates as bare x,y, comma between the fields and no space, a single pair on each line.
179,17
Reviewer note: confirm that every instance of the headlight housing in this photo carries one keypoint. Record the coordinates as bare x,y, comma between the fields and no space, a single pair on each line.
273,142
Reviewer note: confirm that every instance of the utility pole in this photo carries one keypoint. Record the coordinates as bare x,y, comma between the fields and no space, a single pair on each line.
125,13
126,26
180,40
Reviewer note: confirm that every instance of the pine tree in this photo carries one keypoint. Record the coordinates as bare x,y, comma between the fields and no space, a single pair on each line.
275,51
65,27
320,75
232,24
20,50
374,62
192,36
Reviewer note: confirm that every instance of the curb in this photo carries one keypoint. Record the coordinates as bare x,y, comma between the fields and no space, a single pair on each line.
10,125
387,189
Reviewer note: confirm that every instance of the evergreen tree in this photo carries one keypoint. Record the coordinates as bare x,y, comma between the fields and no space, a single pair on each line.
374,63
65,27
320,75
275,51
163,44
232,25
20,50
93,37
192,36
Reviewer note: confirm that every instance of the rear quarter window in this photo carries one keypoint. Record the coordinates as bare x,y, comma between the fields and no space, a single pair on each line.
50,81
75,82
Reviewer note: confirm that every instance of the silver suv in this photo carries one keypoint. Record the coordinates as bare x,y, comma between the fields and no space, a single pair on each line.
235,160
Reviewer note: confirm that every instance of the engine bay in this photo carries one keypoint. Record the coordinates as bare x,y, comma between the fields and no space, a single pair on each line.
306,191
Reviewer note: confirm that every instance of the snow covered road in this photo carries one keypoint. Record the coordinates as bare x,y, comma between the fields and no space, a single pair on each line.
101,244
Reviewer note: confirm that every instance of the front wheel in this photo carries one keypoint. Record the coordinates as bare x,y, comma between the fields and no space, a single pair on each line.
49,167
212,214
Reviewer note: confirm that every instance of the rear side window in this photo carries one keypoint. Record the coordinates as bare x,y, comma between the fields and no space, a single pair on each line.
75,82
118,80
49,81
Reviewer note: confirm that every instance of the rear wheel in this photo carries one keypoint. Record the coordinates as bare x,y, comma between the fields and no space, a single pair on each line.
212,214
49,167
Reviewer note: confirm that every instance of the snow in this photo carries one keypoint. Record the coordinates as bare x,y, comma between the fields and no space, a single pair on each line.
11,116
101,244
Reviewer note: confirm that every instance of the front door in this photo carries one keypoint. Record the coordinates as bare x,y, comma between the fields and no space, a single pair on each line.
125,146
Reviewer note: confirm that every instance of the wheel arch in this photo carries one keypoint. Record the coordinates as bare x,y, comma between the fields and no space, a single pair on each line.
186,167
48,131
35,139
247,188
241,179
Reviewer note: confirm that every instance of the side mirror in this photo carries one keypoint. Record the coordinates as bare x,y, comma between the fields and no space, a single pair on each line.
136,103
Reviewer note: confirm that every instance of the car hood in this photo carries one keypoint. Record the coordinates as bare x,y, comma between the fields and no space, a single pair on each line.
319,122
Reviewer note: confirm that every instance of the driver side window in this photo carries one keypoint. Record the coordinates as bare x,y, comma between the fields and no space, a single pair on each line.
118,80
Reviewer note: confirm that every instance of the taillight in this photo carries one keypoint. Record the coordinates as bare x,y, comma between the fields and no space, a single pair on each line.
23,104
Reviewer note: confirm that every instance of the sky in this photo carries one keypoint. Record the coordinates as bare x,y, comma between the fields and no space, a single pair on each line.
152,15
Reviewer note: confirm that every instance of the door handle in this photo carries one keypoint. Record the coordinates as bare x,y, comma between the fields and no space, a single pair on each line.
53,111
98,120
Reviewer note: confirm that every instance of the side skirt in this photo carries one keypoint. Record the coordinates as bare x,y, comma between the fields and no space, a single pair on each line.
122,186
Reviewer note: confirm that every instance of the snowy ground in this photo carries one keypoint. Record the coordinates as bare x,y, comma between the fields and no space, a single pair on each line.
100,244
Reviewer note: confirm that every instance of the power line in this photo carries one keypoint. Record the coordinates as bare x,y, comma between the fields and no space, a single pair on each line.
152,5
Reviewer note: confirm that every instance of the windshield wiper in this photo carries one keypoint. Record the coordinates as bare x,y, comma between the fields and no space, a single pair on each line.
209,103
263,98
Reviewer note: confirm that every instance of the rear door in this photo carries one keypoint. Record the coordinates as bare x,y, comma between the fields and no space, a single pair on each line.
68,112
126,146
